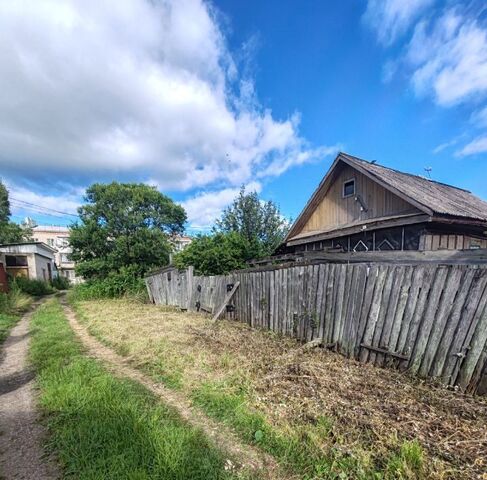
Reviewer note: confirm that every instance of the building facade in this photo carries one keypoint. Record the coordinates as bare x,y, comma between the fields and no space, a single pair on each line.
58,238
361,206
33,260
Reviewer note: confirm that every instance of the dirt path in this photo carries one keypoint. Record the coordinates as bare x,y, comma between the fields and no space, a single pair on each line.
21,435
222,437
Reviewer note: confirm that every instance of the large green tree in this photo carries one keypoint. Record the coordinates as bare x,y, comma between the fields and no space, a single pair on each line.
259,222
124,226
10,232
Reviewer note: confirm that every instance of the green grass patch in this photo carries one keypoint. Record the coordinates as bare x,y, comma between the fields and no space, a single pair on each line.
6,324
102,427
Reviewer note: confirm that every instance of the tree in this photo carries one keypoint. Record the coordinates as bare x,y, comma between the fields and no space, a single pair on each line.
259,222
10,232
124,226
215,254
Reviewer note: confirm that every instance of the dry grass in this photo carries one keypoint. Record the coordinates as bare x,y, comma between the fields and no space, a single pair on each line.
341,405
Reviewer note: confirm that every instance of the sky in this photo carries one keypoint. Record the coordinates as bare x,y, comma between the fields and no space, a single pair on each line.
198,98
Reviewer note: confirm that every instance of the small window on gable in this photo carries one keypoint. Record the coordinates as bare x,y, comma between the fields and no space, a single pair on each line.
349,188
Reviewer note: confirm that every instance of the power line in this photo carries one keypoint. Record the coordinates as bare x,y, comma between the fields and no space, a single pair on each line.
25,204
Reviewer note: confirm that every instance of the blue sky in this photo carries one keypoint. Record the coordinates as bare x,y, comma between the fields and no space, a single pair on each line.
209,96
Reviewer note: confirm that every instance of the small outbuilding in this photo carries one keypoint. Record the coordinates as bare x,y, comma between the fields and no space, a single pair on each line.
362,206
33,260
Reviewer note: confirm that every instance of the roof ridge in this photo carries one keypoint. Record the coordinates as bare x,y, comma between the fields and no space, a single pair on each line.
405,173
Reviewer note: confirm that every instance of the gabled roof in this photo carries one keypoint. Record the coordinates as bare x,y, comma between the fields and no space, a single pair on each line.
431,197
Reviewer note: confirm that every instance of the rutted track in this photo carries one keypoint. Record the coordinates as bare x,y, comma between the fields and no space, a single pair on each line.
21,434
246,456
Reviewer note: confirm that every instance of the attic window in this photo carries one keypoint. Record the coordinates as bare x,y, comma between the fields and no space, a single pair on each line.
349,188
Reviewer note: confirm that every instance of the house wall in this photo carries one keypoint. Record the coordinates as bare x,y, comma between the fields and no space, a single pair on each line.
444,241
336,211
41,267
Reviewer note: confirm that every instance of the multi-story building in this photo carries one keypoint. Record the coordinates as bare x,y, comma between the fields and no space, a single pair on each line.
58,238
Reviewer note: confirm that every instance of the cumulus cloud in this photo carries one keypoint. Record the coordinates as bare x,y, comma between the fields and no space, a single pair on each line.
446,56
392,18
453,66
141,89
203,209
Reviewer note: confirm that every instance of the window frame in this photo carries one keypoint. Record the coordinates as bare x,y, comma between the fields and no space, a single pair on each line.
350,180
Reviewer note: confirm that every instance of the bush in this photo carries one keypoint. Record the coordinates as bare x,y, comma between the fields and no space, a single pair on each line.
116,284
60,283
32,287
14,302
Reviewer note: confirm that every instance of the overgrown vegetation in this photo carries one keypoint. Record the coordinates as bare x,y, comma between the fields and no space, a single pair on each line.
12,305
60,283
321,415
126,283
104,427
215,254
248,229
31,286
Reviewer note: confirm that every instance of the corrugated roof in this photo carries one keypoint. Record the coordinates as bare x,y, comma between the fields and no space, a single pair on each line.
440,198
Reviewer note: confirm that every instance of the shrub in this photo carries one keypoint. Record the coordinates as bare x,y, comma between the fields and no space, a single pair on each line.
14,302
32,287
60,283
116,284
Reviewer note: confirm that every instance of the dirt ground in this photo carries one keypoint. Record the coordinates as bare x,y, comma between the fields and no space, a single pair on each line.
370,410
21,435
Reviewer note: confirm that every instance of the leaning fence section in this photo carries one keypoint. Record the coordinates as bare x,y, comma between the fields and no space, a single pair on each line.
428,319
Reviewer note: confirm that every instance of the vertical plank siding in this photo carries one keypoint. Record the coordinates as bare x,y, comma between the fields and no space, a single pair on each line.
429,320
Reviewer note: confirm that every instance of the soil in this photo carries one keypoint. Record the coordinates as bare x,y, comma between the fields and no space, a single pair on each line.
21,434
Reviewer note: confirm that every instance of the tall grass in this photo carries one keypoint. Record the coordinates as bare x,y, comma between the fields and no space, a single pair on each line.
102,427
12,305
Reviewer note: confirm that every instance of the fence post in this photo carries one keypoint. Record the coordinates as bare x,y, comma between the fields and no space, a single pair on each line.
189,280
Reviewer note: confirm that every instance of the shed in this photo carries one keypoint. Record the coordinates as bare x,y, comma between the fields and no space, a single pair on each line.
34,260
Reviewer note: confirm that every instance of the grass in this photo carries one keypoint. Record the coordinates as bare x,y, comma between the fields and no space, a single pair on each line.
102,427
12,305
6,324
319,414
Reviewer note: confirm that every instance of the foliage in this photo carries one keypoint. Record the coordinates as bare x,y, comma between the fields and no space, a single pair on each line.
15,301
215,254
259,222
104,427
60,283
126,282
6,322
10,232
32,287
124,225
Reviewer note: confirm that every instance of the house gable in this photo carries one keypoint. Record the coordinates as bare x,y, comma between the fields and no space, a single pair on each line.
330,209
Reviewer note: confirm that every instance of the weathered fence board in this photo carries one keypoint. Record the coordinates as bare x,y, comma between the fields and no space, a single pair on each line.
428,319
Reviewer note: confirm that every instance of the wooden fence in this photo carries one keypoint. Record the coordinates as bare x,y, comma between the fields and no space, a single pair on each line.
428,319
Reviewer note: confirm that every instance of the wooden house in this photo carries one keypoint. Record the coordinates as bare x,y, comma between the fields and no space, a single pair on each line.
363,206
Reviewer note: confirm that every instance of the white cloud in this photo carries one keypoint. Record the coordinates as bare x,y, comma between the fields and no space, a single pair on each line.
449,58
204,208
478,145
392,18
141,89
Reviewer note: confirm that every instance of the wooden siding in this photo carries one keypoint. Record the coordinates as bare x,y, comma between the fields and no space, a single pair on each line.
336,211
437,241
